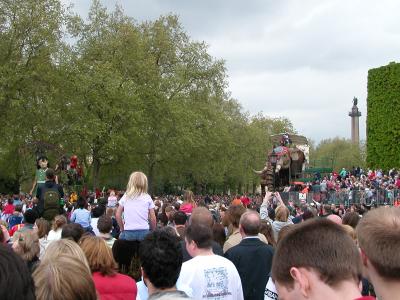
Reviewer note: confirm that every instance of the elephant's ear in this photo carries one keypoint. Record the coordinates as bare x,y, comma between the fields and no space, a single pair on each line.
296,154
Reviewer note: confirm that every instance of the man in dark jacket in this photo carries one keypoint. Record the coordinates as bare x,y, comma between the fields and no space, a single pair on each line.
252,257
49,197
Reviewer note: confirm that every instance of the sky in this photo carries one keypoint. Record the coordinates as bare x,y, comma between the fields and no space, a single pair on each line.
300,59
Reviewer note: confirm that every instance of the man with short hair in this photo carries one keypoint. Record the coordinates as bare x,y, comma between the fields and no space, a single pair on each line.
251,257
201,216
209,276
161,259
180,219
49,196
306,266
72,231
234,214
30,217
378,235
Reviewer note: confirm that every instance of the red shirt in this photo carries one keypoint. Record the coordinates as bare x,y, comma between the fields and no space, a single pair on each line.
115,287
245,201
15,228
366,298
8,209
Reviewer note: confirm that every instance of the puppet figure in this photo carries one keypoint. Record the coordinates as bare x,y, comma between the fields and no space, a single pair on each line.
40,178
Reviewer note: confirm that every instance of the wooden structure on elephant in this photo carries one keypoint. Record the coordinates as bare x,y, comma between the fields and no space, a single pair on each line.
292,155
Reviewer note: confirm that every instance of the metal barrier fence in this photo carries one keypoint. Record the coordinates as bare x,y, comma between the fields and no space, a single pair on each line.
347,198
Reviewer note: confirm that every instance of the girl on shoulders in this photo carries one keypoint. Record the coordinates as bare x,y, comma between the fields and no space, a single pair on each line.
137,208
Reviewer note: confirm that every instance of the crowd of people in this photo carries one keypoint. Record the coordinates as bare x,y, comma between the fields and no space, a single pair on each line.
129,245
351,186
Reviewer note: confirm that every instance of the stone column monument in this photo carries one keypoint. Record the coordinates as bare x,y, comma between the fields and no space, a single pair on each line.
355,126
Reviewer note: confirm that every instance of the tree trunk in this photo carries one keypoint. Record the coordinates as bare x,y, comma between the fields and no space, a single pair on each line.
96,171
150,178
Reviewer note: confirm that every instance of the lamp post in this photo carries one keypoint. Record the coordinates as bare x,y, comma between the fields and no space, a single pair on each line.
273,159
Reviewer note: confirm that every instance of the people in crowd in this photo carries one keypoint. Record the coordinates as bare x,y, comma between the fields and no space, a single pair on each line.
251,257
72,231
104,226
30,217
112,199
334,218
49,197
188,203
64,277
16,217
207,274
219,234
82,216
8,210
55,232
110,212
161,260
234,214
4,235
179,222
26,245
15,278
109,283
65,247
281,217
138,209
266,230
202,216
351,218
97,212
42,229
306,266
379,241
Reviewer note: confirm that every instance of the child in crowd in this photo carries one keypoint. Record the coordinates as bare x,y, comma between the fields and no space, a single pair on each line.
55,232
112,200
138,209
82,216
42,229
105,225
16,217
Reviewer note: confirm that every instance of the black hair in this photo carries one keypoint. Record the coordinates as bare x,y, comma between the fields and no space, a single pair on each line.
161,257
180,218
15,279
42,157
30,216
72,231
98,211
81,202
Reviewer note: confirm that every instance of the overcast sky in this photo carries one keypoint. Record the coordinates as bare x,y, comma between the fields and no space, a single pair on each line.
304,60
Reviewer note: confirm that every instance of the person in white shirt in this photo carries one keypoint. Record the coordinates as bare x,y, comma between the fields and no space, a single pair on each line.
208,275
55,233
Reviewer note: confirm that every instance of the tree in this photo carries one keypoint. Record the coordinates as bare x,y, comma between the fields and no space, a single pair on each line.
343,152
30,40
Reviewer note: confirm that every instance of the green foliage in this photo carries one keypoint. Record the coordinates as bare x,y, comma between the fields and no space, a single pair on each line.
337,153
123,96
383,127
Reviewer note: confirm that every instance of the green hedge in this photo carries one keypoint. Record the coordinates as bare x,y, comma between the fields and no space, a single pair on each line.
383,119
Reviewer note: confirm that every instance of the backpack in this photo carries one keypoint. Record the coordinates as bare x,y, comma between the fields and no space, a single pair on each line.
51,204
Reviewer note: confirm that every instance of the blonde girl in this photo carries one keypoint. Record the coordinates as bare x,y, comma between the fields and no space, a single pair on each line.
137,208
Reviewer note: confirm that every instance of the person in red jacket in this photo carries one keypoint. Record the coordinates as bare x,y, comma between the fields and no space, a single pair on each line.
110,284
